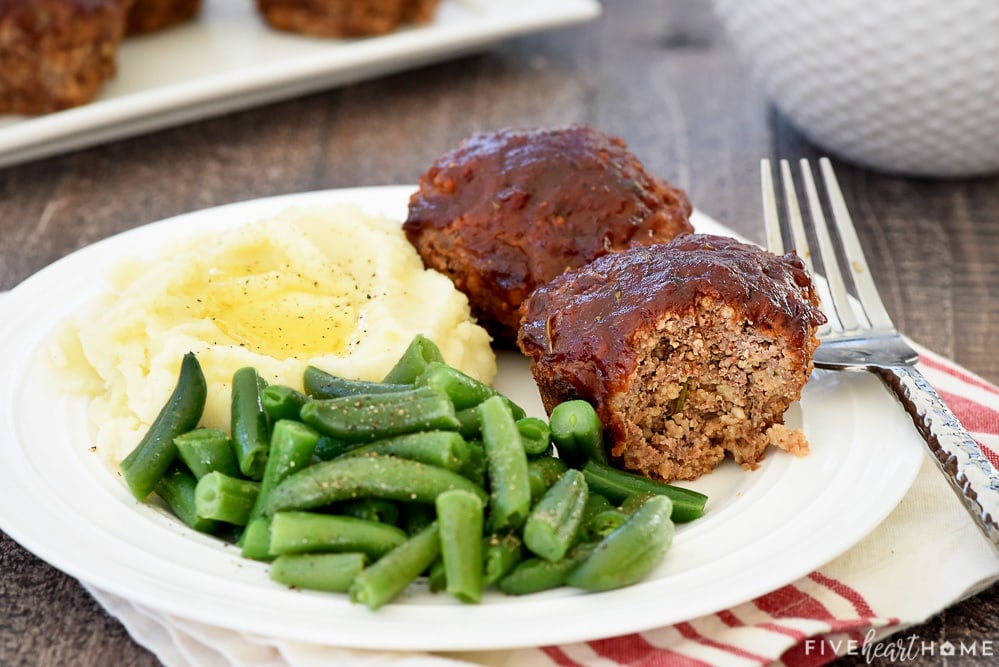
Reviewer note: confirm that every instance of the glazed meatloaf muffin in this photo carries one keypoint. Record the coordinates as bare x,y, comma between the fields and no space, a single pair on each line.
508,211
152,15
689,350
345,18
56,54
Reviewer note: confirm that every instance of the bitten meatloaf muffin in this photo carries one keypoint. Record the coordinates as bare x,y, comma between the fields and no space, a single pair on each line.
56,54
345,18
507,211
152,15
689,350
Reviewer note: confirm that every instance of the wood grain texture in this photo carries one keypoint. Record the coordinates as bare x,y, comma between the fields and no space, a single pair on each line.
658,73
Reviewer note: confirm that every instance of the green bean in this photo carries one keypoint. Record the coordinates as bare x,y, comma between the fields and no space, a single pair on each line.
225,498
375,416
319,384
470,421
176,488
290,450
602,524
463,390
310,532
500,554
332,573
595,503
414,517
151,458
536,574
630,553
421,352
329,448
553,524
577,432
474,467
446,449
437,576
506,466
249,424
386,578
370,509
281,402
206,450
617,485
255,541
364,476
460,520
542,472
535,435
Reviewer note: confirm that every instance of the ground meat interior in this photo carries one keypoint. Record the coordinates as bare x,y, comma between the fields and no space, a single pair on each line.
707,383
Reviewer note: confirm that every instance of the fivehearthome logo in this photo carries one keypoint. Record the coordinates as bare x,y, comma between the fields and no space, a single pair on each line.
900,649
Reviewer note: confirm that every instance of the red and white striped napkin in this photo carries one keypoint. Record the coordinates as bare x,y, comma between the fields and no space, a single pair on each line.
927,555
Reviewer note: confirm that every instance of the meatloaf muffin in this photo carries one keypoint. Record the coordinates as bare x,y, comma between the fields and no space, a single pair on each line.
345,18
152,15
508,211
56,54
689,350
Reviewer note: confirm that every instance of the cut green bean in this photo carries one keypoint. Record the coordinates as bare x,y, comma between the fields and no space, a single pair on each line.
446,449
577,432
500,554
617,485
460,520
225,498
281,402
542,472
370,509
535,435
393,572
474,467
176,488
602,524
255,541
151,458
311,532
630,553
595,503
534,575
414,517
329,448
418,355
206,450
375,416
319,384
333,573
249,424
437,576
351,477
291,447
463,390
553,523
506,466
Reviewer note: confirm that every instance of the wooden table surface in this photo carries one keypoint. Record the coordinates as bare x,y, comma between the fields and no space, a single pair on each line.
658,73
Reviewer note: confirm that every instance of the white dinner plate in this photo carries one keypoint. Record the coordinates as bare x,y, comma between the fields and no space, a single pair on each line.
762,529
228,59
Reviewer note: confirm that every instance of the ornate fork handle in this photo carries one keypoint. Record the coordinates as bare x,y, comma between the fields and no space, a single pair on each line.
973,478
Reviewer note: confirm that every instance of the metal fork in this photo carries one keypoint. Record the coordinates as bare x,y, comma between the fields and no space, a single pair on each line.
861,336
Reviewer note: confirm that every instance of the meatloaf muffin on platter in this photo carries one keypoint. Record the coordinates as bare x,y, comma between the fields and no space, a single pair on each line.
345,18
152,15
507,211
689,350
56,54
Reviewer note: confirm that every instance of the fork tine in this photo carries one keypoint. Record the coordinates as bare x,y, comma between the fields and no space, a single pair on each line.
867,293
846,317
795,222
771,218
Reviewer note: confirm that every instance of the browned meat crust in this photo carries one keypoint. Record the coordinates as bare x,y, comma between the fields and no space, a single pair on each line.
689,350
56,54
508,211
345,18
152,15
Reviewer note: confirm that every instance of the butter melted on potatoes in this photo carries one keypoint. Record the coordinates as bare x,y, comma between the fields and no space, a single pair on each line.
332,287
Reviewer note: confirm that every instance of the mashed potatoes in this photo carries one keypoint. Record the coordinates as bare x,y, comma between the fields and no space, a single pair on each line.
334,288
